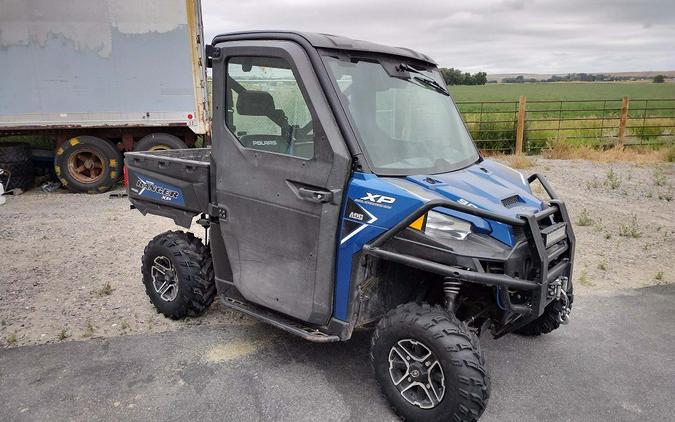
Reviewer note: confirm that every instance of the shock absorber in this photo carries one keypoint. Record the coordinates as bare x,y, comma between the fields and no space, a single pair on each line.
451,290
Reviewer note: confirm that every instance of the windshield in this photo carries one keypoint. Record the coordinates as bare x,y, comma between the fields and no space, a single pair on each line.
404,117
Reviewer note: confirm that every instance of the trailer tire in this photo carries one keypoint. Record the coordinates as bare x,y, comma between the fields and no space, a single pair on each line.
462,382
15,152
88,164
548,320
20,176
178,274
159,142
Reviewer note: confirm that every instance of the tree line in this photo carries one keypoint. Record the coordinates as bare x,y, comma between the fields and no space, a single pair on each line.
454,76
580,77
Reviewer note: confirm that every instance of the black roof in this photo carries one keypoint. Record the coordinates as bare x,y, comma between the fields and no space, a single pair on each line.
326,41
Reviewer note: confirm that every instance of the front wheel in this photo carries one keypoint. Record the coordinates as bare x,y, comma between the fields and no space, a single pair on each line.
429,365
555,314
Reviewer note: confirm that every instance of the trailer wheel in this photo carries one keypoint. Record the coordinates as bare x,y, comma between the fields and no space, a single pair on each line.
159,142
429,365
88,164
178,274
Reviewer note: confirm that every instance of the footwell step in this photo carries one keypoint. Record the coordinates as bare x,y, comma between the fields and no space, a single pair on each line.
278,320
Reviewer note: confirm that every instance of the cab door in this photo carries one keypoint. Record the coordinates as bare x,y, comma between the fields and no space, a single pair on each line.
281,171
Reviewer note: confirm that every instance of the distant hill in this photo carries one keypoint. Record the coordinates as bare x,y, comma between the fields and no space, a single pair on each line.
543,76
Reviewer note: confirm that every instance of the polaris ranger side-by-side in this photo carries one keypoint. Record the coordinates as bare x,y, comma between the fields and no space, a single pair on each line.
342,190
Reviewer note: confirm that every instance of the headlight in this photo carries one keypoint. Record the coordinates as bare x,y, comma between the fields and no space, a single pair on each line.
444,227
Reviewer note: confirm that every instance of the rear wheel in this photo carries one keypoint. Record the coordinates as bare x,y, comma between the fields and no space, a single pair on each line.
429,365
159,142
178,274
88,164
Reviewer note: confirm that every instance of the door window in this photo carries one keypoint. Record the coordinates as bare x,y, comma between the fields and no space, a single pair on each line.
265,107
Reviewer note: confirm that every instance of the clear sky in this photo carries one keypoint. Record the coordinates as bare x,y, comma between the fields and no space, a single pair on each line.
496,36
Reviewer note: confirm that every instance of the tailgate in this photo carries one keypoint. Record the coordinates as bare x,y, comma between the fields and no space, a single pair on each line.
164,182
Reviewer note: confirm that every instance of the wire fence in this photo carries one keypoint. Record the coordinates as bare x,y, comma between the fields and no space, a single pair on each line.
528,126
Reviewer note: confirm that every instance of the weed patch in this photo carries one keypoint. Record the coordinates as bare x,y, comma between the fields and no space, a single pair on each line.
519,161
583,278
89,330
12,339
563,149
612,180
106,290
630,229
584,219
63,334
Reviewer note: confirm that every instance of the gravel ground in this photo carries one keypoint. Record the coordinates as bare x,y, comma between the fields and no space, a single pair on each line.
60,251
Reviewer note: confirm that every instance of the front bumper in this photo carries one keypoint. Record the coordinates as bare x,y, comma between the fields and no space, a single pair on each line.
547,264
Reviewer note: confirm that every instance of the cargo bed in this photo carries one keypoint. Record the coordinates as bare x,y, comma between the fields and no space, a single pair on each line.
172,183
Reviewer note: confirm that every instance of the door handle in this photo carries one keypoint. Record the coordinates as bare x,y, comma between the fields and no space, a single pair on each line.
315,195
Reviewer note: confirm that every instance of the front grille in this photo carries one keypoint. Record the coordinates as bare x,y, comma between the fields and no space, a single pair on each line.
511,201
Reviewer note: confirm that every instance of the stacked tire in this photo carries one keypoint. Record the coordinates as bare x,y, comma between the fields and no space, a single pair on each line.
16,159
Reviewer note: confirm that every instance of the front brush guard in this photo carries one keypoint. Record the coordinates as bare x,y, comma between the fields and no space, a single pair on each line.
538,286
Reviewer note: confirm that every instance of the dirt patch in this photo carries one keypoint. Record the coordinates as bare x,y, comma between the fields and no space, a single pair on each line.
233,350
70,264
70,269
624,221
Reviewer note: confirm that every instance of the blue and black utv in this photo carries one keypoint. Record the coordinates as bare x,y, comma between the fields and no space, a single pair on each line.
341,191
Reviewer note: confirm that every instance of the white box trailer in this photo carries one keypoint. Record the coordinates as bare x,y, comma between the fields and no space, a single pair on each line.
102,77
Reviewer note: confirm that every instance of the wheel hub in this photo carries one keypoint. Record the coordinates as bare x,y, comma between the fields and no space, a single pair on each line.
416,373
87,165
164,278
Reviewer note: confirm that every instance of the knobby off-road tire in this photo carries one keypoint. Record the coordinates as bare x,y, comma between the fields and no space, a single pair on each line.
21,175
159,142
88,164
15,152
414,330
547,321
178,274
16,158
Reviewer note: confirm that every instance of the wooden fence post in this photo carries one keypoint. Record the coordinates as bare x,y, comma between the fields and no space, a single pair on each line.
623,119
520,128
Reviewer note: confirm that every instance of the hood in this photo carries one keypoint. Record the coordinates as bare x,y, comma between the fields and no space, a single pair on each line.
487,185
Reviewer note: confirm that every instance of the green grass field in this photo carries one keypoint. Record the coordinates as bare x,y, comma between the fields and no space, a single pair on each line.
563,91
578,120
